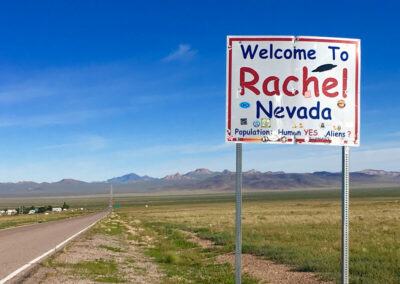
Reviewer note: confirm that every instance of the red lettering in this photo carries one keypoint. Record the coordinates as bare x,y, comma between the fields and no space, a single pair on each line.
271,87
285,85
329,83
311,132
248,84
345,83
307,81
276,86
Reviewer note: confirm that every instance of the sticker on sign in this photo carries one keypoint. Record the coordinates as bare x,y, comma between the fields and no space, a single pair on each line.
286,89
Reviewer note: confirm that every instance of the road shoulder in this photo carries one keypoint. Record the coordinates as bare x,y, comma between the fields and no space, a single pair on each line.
103,254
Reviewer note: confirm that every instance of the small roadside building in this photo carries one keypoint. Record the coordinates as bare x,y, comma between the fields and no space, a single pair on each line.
11,212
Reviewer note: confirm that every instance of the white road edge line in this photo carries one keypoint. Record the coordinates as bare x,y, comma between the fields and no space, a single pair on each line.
16,272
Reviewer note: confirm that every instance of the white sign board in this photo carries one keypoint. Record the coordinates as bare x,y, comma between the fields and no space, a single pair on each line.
285,89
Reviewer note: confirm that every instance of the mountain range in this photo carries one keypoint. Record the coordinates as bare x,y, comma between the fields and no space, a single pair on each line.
199,179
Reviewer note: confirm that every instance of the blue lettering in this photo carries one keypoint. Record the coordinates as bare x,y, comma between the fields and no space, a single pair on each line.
263,53
326,113
291,113
285,54
333,50
248,51
277,111
302,113
271,50
344,56
260,106
316,110
278,57
299,52
311,54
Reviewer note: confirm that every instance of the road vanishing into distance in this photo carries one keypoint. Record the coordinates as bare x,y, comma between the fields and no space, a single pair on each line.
19,246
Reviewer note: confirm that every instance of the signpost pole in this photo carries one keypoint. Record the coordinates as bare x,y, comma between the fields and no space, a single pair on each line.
345,214
238,233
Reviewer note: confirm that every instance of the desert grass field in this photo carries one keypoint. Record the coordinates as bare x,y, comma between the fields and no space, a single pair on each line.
301,229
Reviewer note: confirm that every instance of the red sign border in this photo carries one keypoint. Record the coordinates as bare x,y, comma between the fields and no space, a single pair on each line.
310,39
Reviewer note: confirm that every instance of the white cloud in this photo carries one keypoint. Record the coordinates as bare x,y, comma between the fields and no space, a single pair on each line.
184,53
384,159
323,158
65,117
86,142
178,150
394,134
23,94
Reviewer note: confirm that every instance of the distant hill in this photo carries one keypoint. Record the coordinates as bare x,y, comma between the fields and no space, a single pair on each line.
255,180
128,178
176,177
70,181
199,179
201,174
197,174
380,173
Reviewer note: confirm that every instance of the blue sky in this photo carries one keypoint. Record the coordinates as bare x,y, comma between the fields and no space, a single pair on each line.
96,89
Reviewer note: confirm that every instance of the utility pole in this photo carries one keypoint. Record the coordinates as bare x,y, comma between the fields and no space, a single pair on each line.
111,197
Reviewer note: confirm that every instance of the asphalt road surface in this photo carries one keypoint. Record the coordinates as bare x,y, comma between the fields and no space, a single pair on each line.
21,245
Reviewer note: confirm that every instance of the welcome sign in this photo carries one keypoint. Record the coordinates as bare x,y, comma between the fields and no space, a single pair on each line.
286,89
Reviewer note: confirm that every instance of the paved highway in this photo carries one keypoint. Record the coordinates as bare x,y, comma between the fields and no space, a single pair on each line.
21,245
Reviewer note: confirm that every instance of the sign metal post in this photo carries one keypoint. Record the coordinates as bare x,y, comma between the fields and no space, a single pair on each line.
238,233
345,215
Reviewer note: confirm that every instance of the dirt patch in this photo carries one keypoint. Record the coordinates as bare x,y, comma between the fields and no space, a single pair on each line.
128,261
265,270
270,272
195,239
138,238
